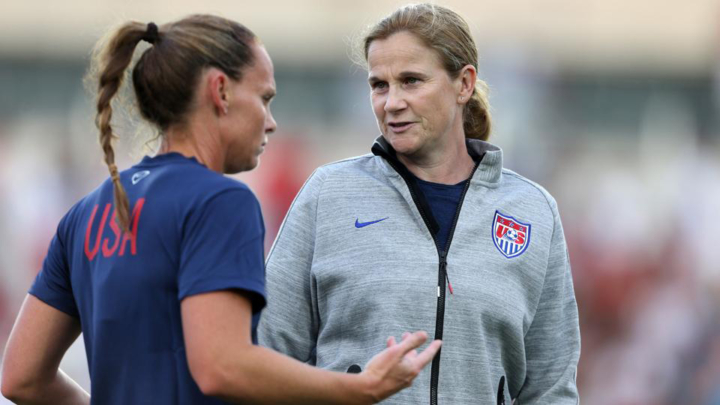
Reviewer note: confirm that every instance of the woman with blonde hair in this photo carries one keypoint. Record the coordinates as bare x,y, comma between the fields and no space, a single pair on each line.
372,243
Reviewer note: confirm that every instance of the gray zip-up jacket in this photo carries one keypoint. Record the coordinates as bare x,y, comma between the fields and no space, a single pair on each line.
355,262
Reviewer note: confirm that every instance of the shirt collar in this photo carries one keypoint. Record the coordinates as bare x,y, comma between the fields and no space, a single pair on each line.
490,156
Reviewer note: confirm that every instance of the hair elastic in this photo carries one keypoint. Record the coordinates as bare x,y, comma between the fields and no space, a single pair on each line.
151,34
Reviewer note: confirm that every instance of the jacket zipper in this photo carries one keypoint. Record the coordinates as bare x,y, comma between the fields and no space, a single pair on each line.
442,274
442,282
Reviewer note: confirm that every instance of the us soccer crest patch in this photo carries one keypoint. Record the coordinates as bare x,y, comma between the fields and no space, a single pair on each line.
510,236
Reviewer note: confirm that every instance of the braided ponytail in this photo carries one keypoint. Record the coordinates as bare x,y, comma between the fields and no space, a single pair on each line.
114,58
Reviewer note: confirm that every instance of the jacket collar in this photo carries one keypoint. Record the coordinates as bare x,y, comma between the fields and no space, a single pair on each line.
490,157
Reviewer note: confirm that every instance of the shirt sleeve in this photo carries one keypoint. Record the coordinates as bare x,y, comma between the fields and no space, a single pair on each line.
552,342
290,324
222,247
52,284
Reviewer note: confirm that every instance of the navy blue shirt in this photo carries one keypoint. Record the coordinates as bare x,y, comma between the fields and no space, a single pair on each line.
443,200
192,231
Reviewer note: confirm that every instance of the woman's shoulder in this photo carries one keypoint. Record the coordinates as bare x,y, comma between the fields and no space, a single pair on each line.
172,174
336,178
207,186
529,190
344,169
166,186
353,163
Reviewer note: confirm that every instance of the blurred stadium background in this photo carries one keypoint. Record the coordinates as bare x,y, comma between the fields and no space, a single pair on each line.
612,105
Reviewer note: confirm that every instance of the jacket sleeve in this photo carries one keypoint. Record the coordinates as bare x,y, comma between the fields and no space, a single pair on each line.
290,322
552,343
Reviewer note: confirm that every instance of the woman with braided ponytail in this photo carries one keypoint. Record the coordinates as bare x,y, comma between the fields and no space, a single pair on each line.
372,243
161,267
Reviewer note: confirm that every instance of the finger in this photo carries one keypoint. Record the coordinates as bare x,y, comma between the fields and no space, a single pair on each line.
405,335
413,341
391,341
412,354
427,355
398,351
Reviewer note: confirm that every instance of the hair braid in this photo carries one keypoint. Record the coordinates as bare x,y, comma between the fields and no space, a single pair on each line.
114,59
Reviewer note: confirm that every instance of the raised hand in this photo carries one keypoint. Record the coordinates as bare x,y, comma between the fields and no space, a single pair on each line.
397,366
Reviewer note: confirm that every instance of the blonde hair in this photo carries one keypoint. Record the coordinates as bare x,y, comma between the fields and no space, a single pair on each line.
444,31
165,75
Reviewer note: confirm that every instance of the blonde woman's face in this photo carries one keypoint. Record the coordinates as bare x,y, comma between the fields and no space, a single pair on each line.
414,99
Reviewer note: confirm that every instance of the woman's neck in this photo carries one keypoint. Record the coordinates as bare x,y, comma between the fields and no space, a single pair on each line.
198,141
450,166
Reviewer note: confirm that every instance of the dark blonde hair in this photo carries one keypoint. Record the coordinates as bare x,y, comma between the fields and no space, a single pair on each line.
164,78
444,31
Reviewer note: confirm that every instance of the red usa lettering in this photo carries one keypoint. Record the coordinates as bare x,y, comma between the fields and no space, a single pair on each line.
119,238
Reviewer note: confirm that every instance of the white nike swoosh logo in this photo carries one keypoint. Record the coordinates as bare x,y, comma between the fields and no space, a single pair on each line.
139,176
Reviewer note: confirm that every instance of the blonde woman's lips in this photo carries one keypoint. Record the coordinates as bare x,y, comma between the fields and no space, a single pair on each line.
400,126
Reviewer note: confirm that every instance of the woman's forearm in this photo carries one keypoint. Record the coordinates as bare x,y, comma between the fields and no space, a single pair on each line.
58,390
225,364
261,376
